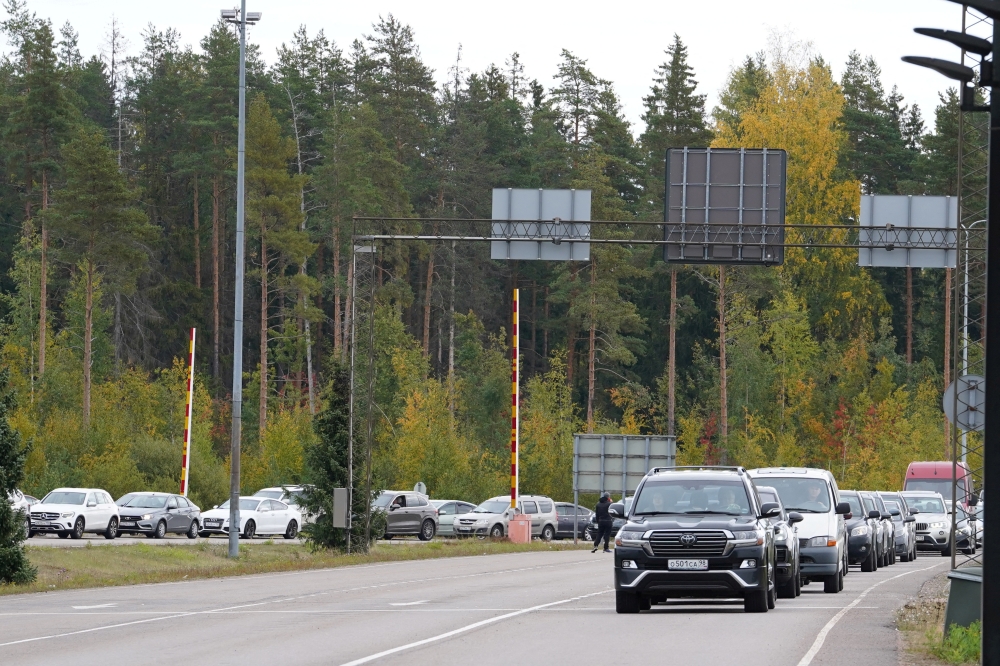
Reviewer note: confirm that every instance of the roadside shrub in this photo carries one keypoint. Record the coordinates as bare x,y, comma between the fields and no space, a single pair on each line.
961,645
14,564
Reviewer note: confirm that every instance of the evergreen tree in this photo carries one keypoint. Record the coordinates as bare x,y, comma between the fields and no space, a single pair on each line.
326,470
743,88
14,565
102,231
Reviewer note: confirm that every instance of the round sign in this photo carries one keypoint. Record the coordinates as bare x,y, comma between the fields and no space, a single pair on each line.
966,409
420,488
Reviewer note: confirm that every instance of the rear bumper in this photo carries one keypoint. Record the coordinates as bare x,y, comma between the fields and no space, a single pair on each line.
819,561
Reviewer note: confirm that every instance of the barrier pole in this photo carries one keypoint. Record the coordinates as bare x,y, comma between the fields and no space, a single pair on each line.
514,426
186,460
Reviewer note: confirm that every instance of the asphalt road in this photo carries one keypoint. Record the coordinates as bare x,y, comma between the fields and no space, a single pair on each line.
526,608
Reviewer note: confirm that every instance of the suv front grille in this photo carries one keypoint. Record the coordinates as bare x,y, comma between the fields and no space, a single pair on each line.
45,516
921,527
668,543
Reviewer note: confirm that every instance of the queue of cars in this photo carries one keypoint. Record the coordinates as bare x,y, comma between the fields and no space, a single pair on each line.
69,513
760,534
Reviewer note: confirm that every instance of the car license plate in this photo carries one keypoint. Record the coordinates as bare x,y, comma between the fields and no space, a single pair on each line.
40,522
128,523
687,565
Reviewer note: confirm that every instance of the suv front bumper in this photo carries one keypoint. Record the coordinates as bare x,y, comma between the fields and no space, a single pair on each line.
723,579
819,561
858,548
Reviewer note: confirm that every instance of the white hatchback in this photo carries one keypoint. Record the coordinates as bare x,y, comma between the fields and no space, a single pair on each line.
258,515
70,512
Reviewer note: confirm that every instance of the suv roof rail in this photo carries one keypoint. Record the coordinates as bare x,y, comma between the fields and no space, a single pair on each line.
727,468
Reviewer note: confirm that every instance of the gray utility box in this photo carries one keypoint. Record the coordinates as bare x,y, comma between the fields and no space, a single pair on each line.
965,598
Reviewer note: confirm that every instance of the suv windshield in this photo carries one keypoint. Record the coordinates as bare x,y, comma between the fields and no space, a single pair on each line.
942,486
147,502
926,504
855,504
679,495
800,494
64,498
383,500
492,506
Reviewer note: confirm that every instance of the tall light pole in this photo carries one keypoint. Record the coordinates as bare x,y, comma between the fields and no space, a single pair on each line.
241,18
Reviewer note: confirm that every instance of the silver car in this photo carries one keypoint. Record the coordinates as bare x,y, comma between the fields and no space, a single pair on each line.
448,510
933,520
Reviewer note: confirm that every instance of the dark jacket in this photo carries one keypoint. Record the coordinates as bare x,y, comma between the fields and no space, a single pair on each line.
602,511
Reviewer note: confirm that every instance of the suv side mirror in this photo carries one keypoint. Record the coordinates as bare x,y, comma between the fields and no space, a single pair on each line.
914,512
393,507
843,508
909,519
848,516
875,513
794,517
91,504
770,510
617,509
894,512
886,516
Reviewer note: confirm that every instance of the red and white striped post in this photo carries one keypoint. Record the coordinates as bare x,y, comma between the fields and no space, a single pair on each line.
514,431
186,460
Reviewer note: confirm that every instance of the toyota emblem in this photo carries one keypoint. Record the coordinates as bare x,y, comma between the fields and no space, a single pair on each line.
688,539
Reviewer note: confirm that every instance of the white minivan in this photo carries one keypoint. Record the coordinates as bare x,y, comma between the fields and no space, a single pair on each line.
490,518
69,512
822,535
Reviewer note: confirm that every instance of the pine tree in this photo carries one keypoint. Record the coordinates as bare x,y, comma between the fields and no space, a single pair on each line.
102,231
14,565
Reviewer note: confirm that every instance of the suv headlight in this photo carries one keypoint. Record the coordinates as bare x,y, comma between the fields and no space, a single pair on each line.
819,541
752,538
628,538
781,534
69,514
860,530
938,525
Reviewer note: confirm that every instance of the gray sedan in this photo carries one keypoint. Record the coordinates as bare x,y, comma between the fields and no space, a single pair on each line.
155,514
447,510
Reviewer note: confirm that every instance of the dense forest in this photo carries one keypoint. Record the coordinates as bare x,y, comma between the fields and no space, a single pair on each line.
117,214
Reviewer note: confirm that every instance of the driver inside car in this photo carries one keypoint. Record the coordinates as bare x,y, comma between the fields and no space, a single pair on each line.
813,502
727,501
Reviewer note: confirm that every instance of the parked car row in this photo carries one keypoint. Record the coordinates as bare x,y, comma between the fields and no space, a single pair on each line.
761,534
73,512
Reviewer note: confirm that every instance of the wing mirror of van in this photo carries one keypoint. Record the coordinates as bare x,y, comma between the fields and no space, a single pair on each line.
894,512
794,517
876,514
770,510
393,507
617,510
843,508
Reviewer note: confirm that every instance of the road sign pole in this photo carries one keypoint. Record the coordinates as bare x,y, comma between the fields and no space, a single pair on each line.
188,416
514,426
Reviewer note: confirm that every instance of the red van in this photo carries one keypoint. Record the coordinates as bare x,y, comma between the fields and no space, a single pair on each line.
936,477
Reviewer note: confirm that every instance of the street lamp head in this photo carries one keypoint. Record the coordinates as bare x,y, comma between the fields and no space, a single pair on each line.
253,17
952,70
970,43
229,14
990,8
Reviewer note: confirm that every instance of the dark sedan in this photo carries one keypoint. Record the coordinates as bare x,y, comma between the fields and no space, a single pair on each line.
569,513
156,514
862,533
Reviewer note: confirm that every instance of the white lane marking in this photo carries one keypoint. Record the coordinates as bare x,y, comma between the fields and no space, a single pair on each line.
468,627
409,603
821,637
222,611
97,606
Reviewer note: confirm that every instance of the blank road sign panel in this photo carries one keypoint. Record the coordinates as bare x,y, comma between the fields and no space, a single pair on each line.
724,206
617,463
551,225
886,220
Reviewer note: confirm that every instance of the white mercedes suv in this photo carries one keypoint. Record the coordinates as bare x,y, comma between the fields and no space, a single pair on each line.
69,512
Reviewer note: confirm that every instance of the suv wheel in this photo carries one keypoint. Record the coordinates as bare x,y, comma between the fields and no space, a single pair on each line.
77,532
112,530
626,602
548,533
834,584
868,564
496,532
787,590
427,530
755,601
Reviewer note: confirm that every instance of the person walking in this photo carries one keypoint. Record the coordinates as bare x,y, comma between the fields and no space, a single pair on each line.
604,522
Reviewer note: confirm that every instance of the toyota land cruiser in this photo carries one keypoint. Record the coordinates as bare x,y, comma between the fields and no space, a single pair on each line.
695,532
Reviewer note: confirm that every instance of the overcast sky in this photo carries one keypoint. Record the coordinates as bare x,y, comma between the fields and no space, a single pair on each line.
622,41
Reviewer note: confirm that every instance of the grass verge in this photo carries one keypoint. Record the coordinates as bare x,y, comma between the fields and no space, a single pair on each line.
105,566
921,623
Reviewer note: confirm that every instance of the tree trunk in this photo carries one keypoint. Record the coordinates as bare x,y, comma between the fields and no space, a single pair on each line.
263,333
570,356
592,350
545,329
451,335
909,315
215,277
947,349
43,281
672,358
534,324
723,402
88,328
338,346
197,238
428,291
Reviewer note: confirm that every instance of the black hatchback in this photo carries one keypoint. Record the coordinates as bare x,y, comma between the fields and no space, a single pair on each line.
156,514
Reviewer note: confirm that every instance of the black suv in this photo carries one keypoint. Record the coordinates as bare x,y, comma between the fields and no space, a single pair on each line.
695,532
